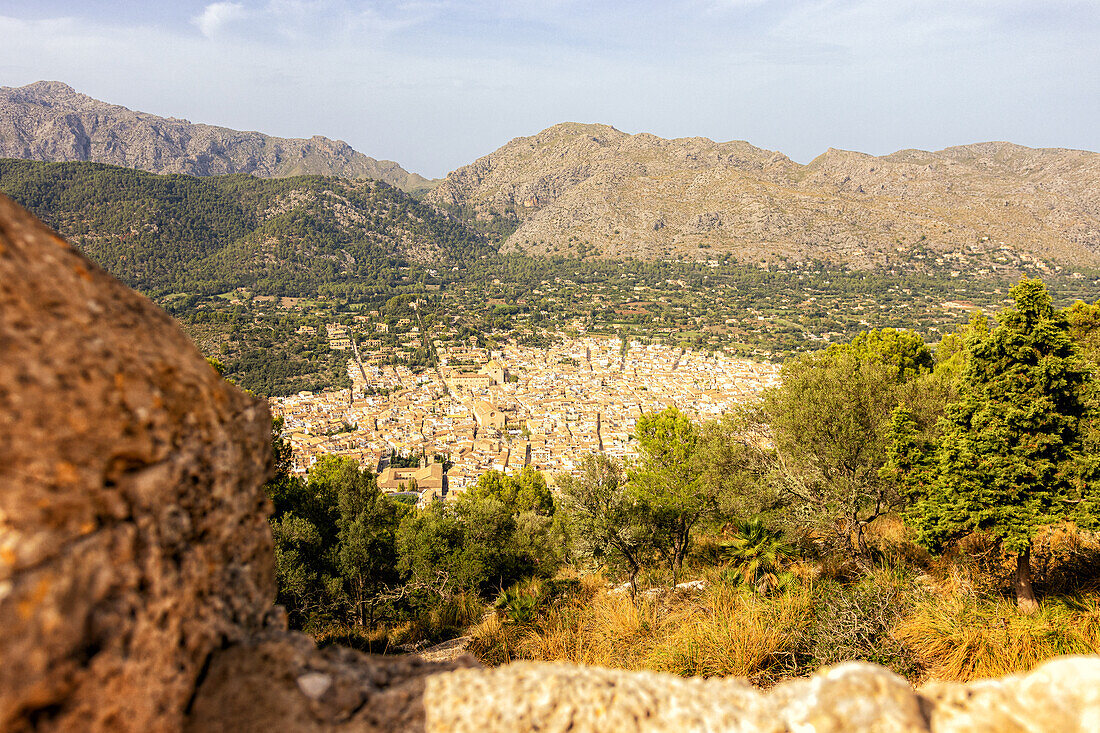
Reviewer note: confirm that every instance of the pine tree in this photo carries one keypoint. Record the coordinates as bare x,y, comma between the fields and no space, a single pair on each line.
1007,460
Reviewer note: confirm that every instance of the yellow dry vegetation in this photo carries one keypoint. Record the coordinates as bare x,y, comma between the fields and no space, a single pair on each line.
958,638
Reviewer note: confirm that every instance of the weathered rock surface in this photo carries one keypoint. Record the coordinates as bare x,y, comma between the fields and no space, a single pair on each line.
280,682
132,532
1062,695
50,121
135,556
988,205
136,570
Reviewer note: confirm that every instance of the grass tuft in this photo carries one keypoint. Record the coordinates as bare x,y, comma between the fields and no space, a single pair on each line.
960,637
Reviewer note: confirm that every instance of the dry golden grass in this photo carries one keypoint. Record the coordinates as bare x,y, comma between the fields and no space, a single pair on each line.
960,627
960,637
926,618
943,630
723,631
608,631
457,612
493,641
734,632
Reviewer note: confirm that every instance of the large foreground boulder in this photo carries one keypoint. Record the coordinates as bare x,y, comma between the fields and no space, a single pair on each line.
132,532
134,548
136,568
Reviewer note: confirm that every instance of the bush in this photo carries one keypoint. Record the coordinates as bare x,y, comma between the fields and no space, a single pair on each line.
857,620
1066,560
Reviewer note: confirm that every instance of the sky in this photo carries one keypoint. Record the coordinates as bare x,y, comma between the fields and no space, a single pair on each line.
435,84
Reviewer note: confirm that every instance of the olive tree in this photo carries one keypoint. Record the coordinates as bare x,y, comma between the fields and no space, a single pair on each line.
609,523
830,423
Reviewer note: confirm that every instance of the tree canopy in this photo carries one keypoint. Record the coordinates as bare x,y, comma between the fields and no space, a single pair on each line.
610,525
830,421
334,543
1007,460
523,492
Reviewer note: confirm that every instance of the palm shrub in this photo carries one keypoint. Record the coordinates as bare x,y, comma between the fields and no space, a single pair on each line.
756,554
520,602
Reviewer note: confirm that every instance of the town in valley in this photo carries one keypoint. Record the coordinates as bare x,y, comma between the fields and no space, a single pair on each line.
431,435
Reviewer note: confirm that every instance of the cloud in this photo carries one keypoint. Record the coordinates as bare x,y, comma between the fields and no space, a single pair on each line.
322,24
434,84
217,16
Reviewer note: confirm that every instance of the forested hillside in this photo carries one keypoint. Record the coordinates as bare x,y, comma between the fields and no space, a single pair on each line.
219,252
294,236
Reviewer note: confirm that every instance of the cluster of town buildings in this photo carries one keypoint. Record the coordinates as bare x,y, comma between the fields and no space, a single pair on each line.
505,410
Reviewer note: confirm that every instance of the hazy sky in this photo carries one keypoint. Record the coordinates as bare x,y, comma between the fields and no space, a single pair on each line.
434,84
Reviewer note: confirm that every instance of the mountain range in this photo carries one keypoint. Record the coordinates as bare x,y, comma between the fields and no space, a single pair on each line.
579,187
50,121
592,190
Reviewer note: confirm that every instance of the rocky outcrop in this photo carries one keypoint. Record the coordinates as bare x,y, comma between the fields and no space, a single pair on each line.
1062,695
280,682
136,574
132,537
50,121
988,204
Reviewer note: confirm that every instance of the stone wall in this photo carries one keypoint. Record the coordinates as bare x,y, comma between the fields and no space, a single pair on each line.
136,575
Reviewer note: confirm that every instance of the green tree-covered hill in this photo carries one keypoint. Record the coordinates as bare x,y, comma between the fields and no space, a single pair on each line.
307,235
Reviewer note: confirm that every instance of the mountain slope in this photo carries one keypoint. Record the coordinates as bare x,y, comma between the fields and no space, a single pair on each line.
591,188
49,121
292,236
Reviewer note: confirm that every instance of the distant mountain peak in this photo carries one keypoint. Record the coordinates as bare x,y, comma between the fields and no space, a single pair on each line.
47,87
51,121
591,189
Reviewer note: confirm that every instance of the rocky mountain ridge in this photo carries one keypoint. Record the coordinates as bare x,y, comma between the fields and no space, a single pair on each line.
589,189
50,121
579,188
